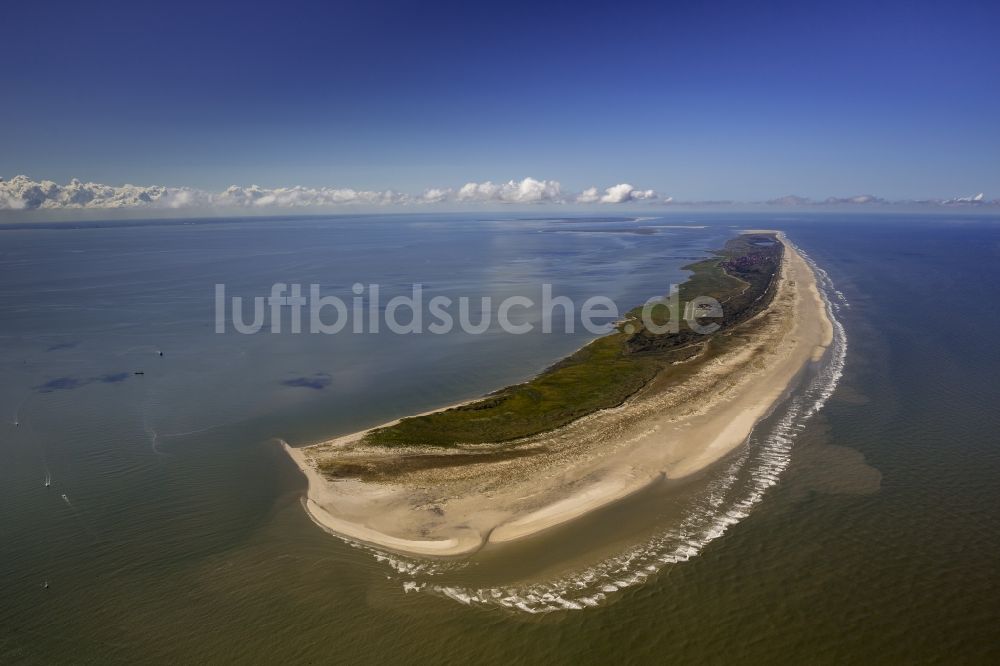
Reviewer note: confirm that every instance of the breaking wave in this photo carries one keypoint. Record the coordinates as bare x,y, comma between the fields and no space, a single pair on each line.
727,500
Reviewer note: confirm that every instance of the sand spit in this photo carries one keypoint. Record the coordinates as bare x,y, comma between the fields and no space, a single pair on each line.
587,464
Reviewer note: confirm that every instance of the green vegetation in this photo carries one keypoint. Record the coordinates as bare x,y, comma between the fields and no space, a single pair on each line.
610,369
385,469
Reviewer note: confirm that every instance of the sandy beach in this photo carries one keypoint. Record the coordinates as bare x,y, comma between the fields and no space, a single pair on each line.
670,429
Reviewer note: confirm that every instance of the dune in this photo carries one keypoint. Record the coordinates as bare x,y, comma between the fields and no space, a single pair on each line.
663,431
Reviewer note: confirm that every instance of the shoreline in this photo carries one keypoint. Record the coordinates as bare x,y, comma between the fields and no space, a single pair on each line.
592,462
359,532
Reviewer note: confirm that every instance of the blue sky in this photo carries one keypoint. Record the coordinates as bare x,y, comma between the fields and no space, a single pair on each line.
698,101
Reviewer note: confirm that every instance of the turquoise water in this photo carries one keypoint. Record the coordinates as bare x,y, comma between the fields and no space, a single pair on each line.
172,528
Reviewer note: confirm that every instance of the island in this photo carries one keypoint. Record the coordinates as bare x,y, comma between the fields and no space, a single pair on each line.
627,410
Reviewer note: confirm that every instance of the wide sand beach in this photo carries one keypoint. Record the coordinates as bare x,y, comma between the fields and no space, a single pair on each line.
672,428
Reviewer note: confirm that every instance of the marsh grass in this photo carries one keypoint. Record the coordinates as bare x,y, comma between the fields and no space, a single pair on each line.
607,371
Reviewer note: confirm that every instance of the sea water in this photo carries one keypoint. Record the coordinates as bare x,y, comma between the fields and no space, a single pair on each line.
860,520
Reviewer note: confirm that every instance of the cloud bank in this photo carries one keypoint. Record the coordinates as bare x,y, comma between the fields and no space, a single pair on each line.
24,194
972,201
616,194
296,197
528,190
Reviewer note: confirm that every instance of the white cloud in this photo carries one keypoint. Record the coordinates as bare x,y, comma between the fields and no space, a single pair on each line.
22,193
435,195
857,199
528,190
976,199
589,195
616,194
297,197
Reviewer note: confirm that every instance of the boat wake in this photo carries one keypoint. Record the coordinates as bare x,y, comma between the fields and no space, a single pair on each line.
725,501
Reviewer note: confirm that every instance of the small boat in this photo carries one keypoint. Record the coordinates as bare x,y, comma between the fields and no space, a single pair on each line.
138,372
48,483
160,353
45,585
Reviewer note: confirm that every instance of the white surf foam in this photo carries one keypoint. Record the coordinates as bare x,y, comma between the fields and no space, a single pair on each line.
727,500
